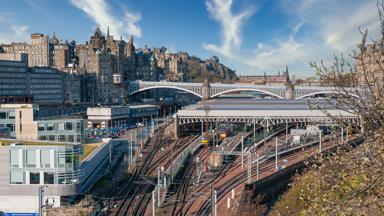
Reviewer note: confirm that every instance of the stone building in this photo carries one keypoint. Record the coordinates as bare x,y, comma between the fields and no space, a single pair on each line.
369,65
146,66
279,79
44,51
14,48
103,59
173,65
39,51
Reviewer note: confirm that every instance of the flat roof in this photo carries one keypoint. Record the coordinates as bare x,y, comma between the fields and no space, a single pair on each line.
261,104
7,142
262,108
141,106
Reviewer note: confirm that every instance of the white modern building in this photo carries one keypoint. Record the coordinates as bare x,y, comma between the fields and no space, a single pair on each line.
27,166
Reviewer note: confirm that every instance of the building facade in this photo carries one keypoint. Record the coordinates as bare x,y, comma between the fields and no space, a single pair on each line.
25,124
44,84
117,116
26,167
279,79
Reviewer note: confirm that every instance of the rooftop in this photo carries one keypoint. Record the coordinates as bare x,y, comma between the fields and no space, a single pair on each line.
262,108
261,104
7,142
142,106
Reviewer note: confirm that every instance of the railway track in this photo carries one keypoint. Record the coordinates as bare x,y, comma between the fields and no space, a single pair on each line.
145,198
241,178
131,188
185,182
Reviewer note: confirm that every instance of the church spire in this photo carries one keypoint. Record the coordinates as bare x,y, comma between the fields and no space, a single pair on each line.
286,73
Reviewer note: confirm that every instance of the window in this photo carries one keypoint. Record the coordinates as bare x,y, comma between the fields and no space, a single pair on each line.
17,177
3,115
34,178
60,126
68,126
48,178
31,158
42,137
41,127
51,137
71,138
61,138
14,158
68,162
78,126
45,158
11,115
11,127
61,162
50,127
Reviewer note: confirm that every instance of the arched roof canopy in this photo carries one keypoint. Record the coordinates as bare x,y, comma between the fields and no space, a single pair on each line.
247,89
166,87
326,93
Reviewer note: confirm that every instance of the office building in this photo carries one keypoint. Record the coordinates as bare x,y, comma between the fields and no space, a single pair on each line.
24,123
28,166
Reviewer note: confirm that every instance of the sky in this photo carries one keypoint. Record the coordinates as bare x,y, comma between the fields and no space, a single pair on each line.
249,36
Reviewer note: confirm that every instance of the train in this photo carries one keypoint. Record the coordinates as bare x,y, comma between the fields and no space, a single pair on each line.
206,140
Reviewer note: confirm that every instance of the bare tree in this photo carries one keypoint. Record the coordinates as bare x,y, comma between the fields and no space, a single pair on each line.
351,181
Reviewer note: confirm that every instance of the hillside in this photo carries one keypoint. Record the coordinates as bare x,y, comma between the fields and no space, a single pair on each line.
198,70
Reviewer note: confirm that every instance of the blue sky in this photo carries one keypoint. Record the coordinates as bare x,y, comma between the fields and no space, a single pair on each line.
250,36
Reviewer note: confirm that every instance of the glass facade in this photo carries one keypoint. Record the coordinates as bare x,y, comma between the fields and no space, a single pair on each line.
61,130
45,164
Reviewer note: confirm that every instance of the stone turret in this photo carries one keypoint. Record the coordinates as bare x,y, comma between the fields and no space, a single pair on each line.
290,89
206,91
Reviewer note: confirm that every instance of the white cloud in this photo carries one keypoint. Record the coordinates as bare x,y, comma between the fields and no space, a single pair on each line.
12,31
230,23
284,53
101,13
333,28
323,27
341,33
20,29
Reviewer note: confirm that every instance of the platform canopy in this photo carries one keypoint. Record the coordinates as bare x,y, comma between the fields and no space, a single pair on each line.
263,112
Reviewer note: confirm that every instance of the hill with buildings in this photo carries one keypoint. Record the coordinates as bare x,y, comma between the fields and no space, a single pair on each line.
104,65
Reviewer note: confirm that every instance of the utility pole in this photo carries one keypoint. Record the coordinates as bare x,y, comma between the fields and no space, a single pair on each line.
320,132
153,203
257,166
254,129
110,157
286,132
142,137
212,202
41,201
242,152
158,185
265,141
346,135
215,196
276,156
131,149
249,167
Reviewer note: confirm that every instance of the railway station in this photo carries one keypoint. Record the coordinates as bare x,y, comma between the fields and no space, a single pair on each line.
263,112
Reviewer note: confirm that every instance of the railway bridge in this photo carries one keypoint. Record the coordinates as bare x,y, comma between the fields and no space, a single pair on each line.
208,90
